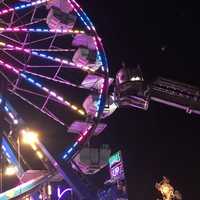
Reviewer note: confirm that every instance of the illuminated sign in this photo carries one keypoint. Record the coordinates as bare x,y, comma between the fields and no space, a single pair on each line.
116,166
61,194
116,158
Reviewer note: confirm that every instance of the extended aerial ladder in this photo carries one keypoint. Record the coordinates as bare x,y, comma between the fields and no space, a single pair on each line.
132,90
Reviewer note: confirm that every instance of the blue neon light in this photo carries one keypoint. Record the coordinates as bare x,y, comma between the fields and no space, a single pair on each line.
8,152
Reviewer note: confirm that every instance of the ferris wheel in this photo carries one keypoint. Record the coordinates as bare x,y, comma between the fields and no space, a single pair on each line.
53,62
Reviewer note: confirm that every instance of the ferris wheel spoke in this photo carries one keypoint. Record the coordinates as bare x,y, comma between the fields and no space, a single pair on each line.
40,40
48,57
48,66
64,61
31,92
36,107
43,107
56,73
43,88
10,39
36,94
53,40
21,7
36,21
58,78
7,78
61,80
13,57
25,16
27,33
20,18
55,117
5,4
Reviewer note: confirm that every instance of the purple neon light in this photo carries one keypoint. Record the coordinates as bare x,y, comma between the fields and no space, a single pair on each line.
60,194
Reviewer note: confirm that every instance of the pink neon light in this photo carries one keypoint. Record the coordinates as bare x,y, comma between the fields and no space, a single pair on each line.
83,67
41,30
80,138
5,11
52,93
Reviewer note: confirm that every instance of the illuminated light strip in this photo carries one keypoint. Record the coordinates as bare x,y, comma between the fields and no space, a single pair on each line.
84,22
38,85
68,151
98,54
88,23
15,121
42,55
82,16
23,6
41,30
11,158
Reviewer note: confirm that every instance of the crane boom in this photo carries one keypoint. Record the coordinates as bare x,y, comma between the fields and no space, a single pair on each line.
176,94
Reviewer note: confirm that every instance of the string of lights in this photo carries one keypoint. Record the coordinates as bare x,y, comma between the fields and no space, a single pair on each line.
23,6
85,19
46,56
40,30
40,86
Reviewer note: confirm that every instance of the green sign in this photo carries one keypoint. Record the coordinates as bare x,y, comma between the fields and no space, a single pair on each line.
115,158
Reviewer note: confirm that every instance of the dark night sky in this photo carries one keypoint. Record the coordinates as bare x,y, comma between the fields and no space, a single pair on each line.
163,140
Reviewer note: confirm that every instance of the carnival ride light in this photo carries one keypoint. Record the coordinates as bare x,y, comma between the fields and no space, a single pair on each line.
49,190
39,154
10,170
29,137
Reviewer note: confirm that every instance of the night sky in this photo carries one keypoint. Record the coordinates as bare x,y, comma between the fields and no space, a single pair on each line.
163,38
